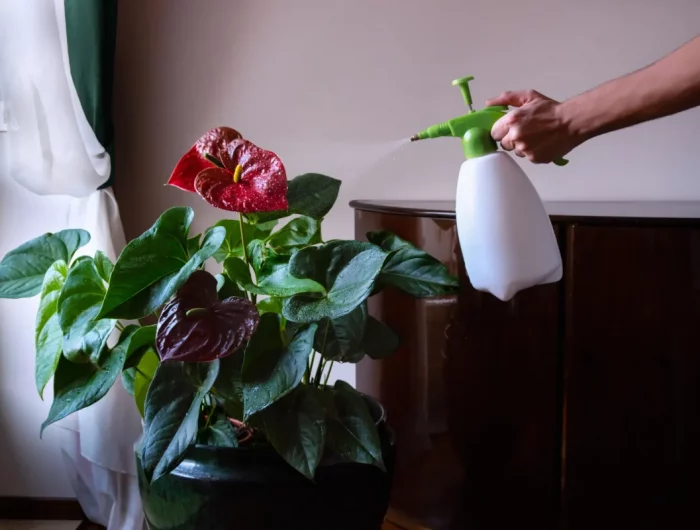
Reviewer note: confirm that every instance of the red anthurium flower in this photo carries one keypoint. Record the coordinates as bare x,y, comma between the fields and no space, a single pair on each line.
213,143
196,327
252,180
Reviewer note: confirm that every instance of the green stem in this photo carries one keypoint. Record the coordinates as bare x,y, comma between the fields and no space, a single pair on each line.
244,244
211,414
120,326
309,366
319,371
328,373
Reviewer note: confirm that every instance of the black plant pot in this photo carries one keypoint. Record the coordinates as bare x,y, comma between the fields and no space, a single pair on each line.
252,488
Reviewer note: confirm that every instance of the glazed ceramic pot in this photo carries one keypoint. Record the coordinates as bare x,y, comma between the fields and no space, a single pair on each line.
252,488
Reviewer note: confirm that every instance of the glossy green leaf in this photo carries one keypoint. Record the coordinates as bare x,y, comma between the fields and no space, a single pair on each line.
323,263
104,265
172,414
155,265
84,334
311,194
239,272
274,279
229,385
77,386
135,340
143,375
272,370
340,339
351,286
296,233
295,426
352,433
193,245
379,340
22,270
270,305
412,270
257,253
387,240
232,246
227,287
48,337
219,432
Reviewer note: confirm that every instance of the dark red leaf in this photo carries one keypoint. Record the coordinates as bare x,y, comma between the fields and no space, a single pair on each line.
196,327
261,186
215,143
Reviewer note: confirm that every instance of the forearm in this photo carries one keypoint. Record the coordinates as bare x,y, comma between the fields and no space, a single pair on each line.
666,87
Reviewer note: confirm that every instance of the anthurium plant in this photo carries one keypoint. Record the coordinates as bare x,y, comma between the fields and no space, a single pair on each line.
226,337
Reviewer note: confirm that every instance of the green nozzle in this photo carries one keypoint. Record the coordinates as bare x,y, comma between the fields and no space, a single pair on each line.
474,128
463,84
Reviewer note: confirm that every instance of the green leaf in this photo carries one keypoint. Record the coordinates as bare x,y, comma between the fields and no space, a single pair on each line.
135,340
84,334
172,414
232,246
379,340
137,378
412,270
155,265
270,305
274,279
257,253
239,272
296,233
271,370
340,339
388,241
229,384
295,426
143,375
104,265
353,277
352,433
77,386
227,287
311,194
322,264
22,270
220,432
48,337
193,245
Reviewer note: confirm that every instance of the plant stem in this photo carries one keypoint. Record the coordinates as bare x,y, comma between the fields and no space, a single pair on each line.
328,373
241,219
142,374
243,242
120,326
211,414
319,371
309,366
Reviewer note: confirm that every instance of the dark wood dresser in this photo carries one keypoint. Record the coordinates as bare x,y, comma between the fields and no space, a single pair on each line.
575,406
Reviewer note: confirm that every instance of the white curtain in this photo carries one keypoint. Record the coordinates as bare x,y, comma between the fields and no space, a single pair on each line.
53,153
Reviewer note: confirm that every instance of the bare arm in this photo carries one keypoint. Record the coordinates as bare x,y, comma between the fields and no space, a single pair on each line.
543,129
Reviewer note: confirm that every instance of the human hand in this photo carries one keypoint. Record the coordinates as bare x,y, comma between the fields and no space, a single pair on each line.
537,130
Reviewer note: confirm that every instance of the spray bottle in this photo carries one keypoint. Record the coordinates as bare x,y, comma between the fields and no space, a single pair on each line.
506,237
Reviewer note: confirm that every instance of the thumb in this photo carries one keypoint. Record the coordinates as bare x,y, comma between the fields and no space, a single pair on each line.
512,98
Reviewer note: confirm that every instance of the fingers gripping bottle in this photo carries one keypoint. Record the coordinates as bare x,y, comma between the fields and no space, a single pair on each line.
507,239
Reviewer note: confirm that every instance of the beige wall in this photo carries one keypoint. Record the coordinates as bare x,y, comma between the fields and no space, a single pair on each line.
330,84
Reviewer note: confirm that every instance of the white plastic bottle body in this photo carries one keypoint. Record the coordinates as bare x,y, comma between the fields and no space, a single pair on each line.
507,239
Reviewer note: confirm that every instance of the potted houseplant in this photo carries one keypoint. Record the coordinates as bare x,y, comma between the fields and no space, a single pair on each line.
230,368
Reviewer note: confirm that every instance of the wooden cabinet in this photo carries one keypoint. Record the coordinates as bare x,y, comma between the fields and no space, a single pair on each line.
572,407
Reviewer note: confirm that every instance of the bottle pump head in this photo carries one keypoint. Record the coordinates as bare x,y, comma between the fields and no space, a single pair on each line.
474,128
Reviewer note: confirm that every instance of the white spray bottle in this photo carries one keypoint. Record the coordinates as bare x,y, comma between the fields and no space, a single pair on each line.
506,237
